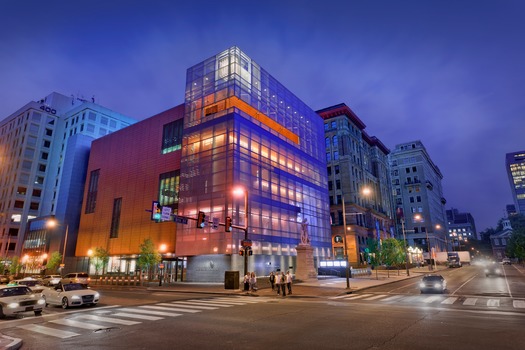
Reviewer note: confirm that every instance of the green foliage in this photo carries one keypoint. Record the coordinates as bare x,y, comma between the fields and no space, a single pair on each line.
16,266
149,256
516,246
392,252
55,259
100,259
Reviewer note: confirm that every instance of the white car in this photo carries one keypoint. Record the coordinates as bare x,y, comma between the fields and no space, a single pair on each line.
34,284
51,280
19,299
70,294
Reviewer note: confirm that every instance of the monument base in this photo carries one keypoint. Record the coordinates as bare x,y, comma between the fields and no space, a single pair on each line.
305,263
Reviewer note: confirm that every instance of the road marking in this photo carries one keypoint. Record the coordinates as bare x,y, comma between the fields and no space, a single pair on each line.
78,324
493,303
470,301
392,298
223,302
520,304
189,304
48,331
359,296
245,300
172,307
450,300
431,299
108,319
206,302
150,312
376,297
140,317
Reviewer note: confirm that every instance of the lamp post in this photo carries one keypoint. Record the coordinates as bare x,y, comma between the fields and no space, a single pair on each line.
346,247
405,243
245,243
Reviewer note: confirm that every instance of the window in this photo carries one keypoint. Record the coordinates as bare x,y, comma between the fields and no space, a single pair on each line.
328,157
172,136
334,141
169,189
49,132
41,167
44,155
115,218
411,199
336,155
37,192
338,184
333,125
336,168
21,190
338,239
39,180
33,206
414,169
407,170
419,198
19,204
91,200
47,143
329,170
330,185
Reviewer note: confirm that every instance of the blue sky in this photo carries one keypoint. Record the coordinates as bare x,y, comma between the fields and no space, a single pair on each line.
448,73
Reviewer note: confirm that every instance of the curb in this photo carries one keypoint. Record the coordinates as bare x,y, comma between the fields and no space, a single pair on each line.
10,342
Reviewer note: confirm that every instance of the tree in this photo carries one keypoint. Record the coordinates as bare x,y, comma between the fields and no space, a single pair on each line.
100,259
149,257
16,266
516,246
55,259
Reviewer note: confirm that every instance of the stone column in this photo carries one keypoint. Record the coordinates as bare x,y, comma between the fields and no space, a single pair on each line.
305,263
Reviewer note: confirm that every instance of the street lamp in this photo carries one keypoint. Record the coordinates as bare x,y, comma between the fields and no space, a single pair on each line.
245,243
346,247
162,249
405,243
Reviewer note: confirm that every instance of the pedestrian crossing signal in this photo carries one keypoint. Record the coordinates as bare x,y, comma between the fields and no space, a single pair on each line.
156,211
241,252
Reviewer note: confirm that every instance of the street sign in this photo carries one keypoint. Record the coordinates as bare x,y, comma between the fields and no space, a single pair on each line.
180,219
246,243
215,224
166,213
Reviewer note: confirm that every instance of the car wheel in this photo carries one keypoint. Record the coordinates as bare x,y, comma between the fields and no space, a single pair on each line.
64,303
38,313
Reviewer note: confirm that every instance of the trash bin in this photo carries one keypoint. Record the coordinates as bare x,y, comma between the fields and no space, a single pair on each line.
231,280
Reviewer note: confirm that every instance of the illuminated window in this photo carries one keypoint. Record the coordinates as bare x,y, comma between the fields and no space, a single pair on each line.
172,136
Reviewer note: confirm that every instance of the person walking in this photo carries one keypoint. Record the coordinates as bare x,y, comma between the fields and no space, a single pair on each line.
283,283
289,282
246,282
278,282
253,282
272,280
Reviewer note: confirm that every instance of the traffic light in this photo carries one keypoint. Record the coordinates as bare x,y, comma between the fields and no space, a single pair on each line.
201,220
228,224
241,252
250,251
156,211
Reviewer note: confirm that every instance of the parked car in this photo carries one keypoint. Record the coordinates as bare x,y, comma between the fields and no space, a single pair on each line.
34,284
493,269
76,277
506,261
70,294
433,283
19,299
51,280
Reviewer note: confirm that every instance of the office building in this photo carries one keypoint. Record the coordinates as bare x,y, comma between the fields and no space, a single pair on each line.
418,197
358,184
44,149
461,228
515,164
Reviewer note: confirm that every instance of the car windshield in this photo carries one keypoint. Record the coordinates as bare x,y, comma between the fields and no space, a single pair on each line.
14,291
73,286
28,283
432,278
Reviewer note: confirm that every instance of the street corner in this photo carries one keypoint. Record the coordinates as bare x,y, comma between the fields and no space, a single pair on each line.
9,343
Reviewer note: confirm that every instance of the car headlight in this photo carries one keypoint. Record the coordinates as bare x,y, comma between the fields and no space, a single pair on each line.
498,271
437,285
422,285
486,270
41,301
75,297
12,305
97,295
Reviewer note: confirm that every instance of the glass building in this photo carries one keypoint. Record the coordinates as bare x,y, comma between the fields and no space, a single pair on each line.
243,128
515,164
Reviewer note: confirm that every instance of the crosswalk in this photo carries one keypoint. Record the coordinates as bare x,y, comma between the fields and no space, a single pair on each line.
436,299
73,325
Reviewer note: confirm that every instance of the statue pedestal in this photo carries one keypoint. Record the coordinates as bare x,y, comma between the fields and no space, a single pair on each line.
305,263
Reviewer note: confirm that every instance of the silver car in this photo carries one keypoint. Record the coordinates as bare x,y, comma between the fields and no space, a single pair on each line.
70,294
19,299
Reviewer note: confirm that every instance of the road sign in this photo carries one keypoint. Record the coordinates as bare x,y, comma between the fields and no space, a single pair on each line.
246,243
215,224
166,213
180,219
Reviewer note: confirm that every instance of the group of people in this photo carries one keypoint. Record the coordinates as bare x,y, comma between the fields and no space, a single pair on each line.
250,282
281,281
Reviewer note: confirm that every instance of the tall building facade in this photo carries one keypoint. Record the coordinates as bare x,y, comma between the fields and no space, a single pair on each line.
461,228
359,184
244,128
44,148
418,197
515,164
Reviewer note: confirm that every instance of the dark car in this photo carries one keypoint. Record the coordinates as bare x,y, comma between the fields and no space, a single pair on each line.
493,269
433,283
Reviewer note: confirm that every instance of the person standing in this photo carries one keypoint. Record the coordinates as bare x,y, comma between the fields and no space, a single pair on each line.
278,282
253,282
246,282
283,283
289,282
272,280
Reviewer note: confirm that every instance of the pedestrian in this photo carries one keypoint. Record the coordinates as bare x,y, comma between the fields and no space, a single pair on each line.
283,283
253,282
278,282
246,282
272,280
289,282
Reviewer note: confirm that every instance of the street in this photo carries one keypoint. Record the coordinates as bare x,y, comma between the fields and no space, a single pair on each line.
475,312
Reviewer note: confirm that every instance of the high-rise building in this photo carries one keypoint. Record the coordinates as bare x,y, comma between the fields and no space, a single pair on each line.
461,228
43,156
515,163
418,197
359,184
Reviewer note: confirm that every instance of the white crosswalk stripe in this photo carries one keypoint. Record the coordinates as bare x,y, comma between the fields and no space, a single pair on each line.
393,297
58,333
188,304
450,300
143,310
358,296
108,319
493,303
431,299
519,304
470,301
203,302
171,307
138,316
78,324
376,297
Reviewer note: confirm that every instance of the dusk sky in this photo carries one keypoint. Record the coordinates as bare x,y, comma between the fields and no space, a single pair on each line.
448,73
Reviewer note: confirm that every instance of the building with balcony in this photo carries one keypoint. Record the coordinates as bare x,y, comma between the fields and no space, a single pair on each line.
43,152
358,183
418,198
